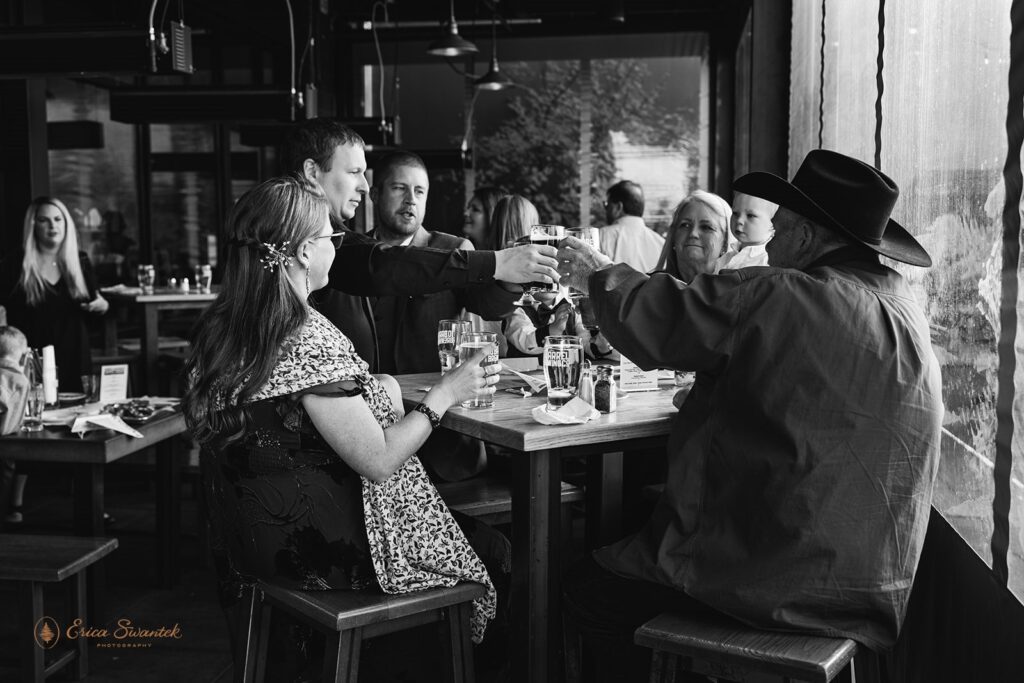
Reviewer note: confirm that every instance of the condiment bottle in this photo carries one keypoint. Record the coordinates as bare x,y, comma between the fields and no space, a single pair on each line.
586,387
605,399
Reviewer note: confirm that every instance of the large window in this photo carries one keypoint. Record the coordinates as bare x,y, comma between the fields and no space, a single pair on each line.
583,114
943,139
92,162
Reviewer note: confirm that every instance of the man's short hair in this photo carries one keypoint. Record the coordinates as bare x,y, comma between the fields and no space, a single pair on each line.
12,341
315,139
385,166
630,195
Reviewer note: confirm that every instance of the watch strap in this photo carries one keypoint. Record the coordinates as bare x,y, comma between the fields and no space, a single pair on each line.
435,419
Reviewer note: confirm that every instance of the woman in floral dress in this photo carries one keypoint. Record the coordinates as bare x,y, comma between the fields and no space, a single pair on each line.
308,460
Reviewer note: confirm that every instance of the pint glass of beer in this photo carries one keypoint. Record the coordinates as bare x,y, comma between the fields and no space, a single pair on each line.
449,336
550,235
471,343
563,363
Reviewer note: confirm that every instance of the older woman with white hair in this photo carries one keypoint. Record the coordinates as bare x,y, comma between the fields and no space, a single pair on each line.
697,237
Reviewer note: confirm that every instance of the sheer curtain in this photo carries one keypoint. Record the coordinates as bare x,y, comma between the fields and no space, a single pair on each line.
944,141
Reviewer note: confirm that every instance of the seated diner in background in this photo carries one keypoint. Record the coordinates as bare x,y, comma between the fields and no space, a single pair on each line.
801,465
697,238
308,460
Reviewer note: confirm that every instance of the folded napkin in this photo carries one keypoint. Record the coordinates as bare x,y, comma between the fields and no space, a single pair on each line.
536,384
90,423
575,412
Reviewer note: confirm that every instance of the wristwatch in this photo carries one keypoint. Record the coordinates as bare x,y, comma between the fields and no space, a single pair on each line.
435,419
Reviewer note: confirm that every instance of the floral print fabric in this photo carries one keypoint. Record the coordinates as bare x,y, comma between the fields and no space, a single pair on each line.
414,543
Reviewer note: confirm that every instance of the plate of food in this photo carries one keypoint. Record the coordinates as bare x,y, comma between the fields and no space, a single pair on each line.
134,412
69,397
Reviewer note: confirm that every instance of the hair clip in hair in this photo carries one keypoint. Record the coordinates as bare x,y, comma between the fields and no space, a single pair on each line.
275,256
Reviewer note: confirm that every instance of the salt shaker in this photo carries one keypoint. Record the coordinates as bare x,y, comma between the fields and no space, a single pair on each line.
604,390
184,285
586,387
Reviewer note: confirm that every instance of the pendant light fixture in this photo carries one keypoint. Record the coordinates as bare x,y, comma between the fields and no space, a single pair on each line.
493,79
452,44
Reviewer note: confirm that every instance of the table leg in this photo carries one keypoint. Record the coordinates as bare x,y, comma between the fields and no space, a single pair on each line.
604,499
168,511
88,507
30,611
150,347
110,334
536,540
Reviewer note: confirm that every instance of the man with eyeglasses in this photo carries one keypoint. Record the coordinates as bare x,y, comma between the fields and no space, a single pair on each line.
626,238
333,155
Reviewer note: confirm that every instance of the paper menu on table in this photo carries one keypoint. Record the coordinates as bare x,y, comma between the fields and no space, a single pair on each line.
632,378
113,383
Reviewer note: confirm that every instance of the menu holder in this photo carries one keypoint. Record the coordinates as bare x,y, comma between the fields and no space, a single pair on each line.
632,378
113,383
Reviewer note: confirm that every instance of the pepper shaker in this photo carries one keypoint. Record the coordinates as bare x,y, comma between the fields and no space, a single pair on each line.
605,398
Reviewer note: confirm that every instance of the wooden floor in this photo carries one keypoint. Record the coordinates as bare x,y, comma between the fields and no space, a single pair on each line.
202,654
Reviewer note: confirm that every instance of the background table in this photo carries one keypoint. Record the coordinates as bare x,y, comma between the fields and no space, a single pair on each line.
643,420
151,305
87,456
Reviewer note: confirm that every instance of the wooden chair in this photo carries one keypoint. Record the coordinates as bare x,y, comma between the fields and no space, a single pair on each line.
347,618
720,647
31,561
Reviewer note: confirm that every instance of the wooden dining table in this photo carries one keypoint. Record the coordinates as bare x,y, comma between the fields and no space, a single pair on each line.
643,420
86,457
151,305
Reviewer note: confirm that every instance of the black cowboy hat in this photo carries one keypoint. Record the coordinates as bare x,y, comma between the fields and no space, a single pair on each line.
844,194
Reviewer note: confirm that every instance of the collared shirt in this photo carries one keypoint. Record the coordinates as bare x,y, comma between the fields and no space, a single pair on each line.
752,255
628,240
801,466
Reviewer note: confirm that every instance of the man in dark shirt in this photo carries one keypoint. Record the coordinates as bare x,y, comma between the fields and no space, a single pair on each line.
332,154
407,325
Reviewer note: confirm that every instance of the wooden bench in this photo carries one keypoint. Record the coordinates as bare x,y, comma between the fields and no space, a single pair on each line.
489,498
30,561
721,647
349,617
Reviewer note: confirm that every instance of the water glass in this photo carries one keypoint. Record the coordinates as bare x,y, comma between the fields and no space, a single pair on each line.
203,277
449,336
33,421
471,343
563,363
147,277
91,388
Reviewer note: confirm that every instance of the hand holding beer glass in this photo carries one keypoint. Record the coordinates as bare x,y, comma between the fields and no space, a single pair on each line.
550,235
472,342
563,364
449,336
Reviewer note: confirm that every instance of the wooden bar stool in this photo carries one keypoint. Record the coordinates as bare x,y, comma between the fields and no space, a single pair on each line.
347,618
31,561
720,647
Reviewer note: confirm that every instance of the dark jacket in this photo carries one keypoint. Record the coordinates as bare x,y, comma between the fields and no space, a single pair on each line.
365,267
416,317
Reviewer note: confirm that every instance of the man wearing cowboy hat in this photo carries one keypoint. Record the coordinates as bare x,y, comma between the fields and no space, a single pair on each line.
801,465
